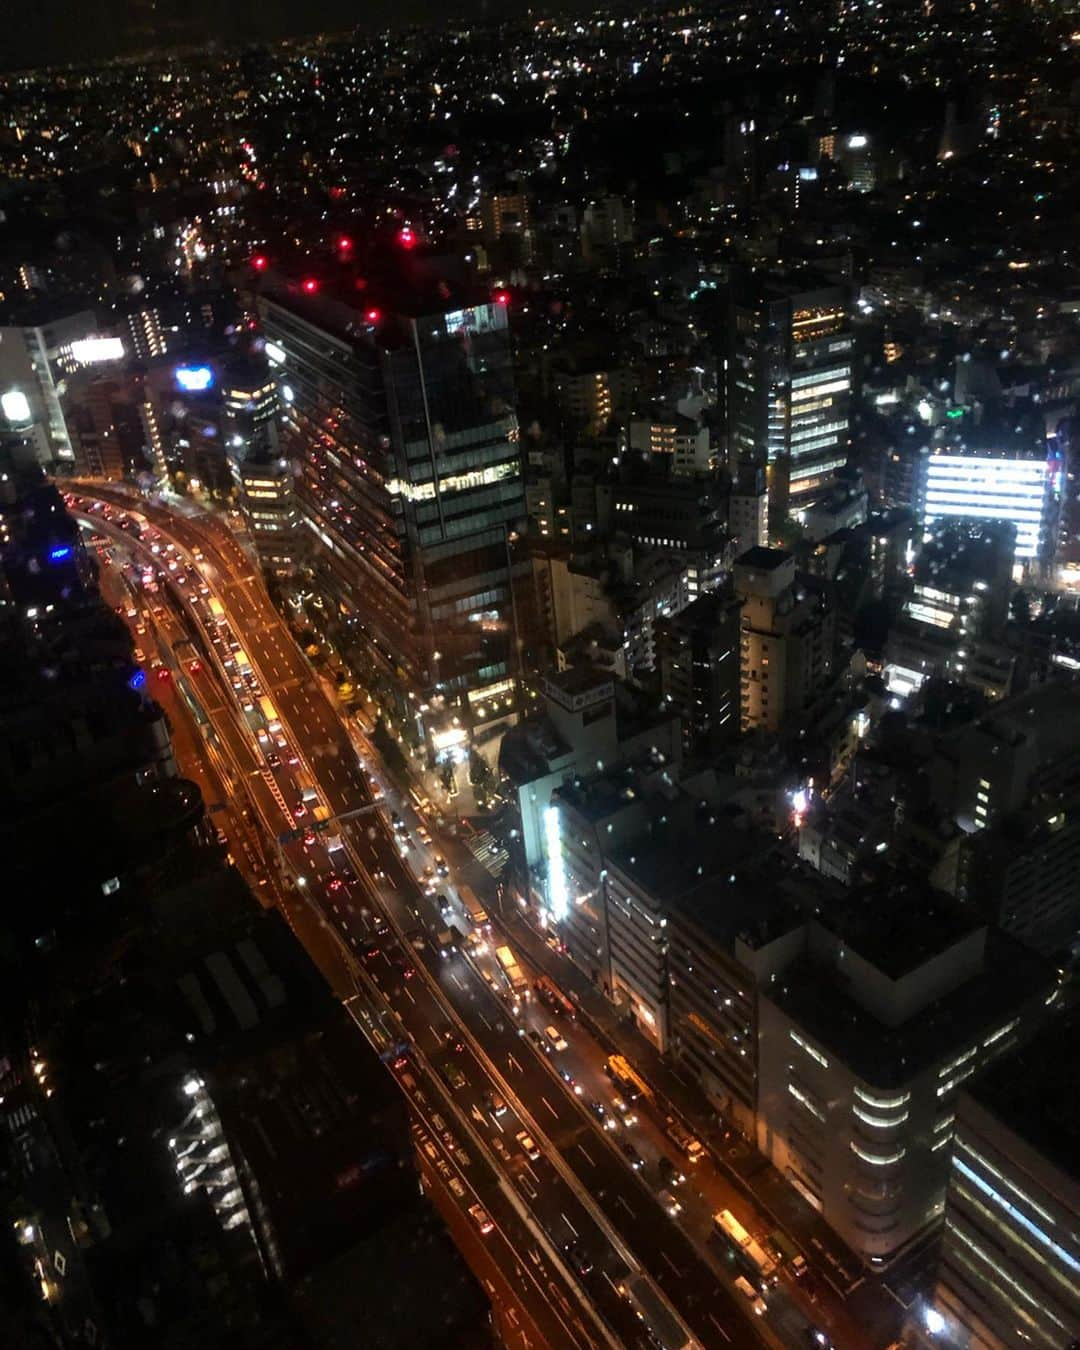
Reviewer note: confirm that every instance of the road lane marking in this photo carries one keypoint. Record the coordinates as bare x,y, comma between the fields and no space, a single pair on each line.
568,1223
675,1269
625,1206
719,1328
592,1161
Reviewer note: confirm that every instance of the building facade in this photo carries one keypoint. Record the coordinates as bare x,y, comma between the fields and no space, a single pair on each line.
409,484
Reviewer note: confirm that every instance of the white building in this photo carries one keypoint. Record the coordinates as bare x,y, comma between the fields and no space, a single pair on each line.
1020,486
862,1046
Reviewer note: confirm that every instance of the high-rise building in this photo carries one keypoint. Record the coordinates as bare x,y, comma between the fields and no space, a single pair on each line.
788,378
1019,484
1010,1254
862,1047
787,639
697,653
401,422
34,358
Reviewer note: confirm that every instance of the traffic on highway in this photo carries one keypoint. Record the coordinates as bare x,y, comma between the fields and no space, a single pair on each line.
551,1151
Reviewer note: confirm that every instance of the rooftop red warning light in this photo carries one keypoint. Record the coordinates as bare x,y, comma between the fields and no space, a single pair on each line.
501,298
344,243
373,315
259,262
407,237
309,285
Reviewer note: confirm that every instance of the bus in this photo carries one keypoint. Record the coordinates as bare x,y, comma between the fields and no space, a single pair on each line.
747,1253
665,1329
475,910
552,997
510,968
242,663
626,1078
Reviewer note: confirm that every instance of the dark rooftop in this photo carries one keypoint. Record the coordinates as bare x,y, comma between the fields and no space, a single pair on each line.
1034,1091
814,996
899,925
763,559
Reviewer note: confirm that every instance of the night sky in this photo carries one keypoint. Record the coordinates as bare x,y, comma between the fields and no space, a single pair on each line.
58,31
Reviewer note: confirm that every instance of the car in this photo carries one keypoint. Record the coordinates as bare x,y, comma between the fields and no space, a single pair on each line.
602,1114
294,760
400,1062
424,835
372,952
408,972
637,1162
556,1038
669,1172
539,1041
479,1216
441,866
445,907
669,1202
274,760
580,1262
454,1077
456,1187
495,1103
625,1110
798,1265
299,809
309,838
335,883
743,1285
570,1081
528,1145
451,1038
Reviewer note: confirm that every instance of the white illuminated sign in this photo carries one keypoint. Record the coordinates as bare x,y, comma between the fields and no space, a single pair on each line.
88,351
16,406
557,893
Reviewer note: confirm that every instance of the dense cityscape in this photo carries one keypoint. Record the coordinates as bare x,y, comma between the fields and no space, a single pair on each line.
540,699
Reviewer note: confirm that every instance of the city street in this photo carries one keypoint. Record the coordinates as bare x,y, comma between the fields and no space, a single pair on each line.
586,1191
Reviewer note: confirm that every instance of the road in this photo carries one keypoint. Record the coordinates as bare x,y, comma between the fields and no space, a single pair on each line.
581,1189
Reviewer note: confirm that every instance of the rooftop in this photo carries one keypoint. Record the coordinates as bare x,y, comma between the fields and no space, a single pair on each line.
814,996
763,559
899,925
1034,1092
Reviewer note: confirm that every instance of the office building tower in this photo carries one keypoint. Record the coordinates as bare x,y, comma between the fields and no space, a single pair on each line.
681,441
1011,1250
1018,484
34,359
400,420
697,654
863,1044
788,381
786,652
149,337
955,609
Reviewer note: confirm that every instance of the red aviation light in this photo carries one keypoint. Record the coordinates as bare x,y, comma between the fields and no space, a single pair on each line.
259,262
309,285
502,298
407,237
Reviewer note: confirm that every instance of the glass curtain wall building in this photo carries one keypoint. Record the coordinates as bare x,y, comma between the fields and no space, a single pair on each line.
788,387
405,440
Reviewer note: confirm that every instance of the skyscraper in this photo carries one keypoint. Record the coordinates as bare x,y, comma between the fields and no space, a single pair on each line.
788,378
401,423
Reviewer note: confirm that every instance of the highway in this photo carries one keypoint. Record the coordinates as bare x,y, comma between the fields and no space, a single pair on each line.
581,1189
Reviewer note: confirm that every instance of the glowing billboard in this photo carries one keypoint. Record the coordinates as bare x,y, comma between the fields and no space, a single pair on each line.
89,351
